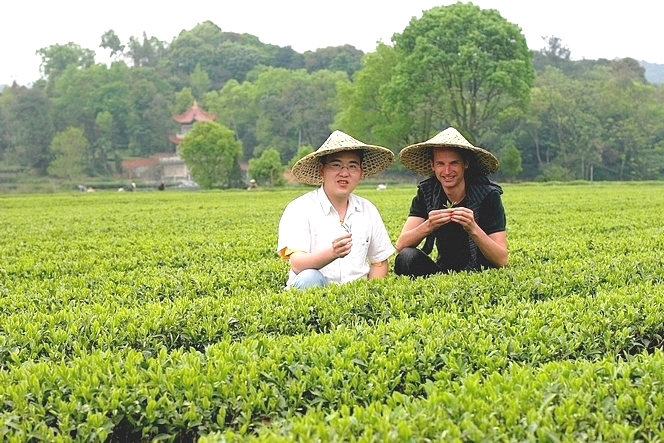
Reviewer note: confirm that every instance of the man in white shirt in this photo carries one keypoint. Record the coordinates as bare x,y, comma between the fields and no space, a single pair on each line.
330,235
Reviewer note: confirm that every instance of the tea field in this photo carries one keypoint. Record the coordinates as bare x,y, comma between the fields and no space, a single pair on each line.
161,316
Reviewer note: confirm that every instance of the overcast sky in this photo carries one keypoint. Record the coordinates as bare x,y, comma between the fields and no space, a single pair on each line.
591,29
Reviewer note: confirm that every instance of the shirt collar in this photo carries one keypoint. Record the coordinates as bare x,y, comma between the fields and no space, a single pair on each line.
326,205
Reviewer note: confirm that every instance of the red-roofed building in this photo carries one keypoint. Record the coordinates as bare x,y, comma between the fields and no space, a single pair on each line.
168,167
187,120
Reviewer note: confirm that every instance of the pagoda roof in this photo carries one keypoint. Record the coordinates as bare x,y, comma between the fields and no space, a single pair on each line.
194,114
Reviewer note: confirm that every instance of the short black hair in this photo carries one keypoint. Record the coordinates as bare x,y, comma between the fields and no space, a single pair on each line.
360,152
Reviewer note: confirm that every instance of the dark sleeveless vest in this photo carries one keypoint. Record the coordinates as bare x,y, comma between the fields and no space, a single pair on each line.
477,188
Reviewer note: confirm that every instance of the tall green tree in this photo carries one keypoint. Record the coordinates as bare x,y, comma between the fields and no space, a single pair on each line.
79,95
103,148
211,152
562,125
223,55
463,66
55,59
288,58
34,125
110,41
148,52
303,151
184,99
510,161
235,107
267,168
294,108
200,82
554,53
150,120
344,58
632,114
8,124
69,149
365,110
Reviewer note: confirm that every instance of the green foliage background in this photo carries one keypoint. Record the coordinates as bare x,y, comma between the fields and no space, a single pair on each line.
456,65
150,315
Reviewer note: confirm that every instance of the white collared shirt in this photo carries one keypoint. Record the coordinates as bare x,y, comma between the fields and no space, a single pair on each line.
310,224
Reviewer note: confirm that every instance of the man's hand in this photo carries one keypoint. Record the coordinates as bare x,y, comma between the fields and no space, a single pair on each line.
465,217
341,246
438,218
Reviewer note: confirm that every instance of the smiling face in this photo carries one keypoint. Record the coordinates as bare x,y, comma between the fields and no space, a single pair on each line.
449,166
341,173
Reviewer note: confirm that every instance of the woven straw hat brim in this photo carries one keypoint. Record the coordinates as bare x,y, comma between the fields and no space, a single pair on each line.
416,158
375,160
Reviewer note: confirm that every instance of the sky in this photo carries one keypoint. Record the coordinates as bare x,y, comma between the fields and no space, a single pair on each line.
591,29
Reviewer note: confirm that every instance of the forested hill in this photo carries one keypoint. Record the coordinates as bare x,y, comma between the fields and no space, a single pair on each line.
546,116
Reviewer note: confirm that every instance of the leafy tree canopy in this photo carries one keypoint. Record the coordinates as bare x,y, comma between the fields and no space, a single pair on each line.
69,148
267,168
56,58
462,66
211,151
345,58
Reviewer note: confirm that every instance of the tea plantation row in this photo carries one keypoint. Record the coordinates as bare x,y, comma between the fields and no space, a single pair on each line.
162,316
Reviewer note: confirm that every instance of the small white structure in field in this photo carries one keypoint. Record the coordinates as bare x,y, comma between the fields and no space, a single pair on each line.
381,187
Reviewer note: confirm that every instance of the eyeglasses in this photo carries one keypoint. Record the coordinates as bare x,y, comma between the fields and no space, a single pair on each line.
338,166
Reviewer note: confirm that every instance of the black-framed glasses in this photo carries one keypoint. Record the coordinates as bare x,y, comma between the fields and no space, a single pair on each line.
338,166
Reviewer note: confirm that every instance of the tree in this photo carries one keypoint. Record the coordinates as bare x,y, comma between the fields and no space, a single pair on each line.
632,115
8,124
210,150
184,99
235,107
146,53
510,161
194,47
365,110
69,148
80,95
103,143
110,41
238,59
288,58
561,123
462,67
553,54
345,58
294,108
301,152
223,55
627,70
150,121
56,58
267,168
200,82
34,125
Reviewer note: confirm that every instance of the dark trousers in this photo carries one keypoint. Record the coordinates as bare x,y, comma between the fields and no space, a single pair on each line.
415,263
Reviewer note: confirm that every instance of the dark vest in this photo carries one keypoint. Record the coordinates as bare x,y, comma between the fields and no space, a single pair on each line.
477,188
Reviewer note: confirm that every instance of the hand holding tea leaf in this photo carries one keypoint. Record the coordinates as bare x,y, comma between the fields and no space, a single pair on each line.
341,246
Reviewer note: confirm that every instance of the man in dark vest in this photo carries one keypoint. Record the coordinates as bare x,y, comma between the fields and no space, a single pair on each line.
457,208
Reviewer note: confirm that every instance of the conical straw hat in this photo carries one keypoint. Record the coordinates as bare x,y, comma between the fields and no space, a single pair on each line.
416,157
375,159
